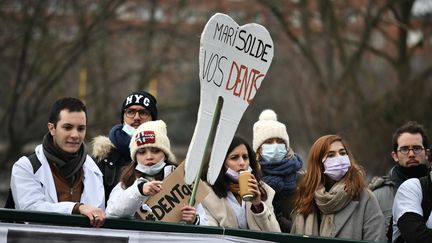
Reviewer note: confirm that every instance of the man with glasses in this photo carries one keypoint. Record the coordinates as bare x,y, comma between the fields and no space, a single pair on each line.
112,152
410,144
412,221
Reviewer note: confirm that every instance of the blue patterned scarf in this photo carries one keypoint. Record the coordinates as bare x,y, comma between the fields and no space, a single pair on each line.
282,175
120,139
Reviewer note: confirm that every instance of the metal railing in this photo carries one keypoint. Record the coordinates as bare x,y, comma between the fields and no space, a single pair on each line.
8,216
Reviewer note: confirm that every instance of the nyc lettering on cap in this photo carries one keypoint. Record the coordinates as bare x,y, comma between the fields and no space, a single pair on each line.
143,99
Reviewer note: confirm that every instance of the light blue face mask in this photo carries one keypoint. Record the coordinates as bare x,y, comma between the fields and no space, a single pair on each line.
274,152
128,129
151,170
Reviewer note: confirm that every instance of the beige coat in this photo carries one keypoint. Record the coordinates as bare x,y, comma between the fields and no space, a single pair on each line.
220,213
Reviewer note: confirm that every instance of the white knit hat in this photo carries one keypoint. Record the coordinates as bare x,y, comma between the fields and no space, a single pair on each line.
151,134
268,127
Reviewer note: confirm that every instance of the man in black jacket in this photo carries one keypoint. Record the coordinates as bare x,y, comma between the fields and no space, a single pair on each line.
112,153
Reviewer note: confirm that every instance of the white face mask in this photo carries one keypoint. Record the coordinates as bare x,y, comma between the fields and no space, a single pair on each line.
128,129
234,175
151,170
337,167
273,152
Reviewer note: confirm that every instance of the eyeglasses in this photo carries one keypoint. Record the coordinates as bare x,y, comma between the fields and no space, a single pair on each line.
416,149
132,112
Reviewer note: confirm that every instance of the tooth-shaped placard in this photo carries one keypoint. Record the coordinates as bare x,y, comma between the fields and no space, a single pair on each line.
233,61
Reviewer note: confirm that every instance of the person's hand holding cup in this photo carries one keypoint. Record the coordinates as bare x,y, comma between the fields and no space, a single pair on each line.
249,190
245,193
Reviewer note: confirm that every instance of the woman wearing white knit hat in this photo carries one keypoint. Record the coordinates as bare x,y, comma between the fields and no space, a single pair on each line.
279,164
152,161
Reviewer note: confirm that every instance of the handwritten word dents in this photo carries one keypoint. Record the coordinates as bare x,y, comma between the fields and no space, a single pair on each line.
171,200
244,81
246,42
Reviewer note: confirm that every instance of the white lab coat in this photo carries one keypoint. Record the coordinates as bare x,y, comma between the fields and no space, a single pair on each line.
36,191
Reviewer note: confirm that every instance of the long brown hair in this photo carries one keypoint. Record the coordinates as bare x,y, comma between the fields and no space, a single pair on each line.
221,184
314,178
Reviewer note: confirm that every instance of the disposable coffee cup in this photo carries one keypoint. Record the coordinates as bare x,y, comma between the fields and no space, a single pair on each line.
245,194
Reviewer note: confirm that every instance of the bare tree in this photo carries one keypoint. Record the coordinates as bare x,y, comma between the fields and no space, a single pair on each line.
342,94
45,41
330,74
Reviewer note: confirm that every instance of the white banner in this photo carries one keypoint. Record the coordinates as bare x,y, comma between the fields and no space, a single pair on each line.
33,233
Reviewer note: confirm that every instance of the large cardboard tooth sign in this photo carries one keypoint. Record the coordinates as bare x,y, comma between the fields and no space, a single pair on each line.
233,61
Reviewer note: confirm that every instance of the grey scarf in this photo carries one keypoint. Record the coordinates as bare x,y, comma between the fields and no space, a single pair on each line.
328,203
68,164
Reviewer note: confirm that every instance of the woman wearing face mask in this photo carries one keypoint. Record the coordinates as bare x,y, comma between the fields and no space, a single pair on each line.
332,199
152,161
223,205
279,164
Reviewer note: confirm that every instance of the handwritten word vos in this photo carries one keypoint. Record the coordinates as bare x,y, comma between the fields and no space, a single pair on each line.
171,200
210,67
247,43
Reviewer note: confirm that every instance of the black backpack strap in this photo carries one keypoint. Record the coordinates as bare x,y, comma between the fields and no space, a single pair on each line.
36,164
426,204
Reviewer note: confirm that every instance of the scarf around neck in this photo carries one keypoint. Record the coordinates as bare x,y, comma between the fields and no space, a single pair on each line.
327,205
282,175
120,139
68,164
399,174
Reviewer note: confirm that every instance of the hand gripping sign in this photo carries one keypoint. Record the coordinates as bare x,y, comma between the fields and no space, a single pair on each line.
166,204
233,62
